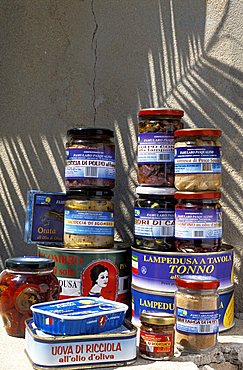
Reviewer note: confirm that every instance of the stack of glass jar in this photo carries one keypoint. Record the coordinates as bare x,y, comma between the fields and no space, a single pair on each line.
89,180
178,217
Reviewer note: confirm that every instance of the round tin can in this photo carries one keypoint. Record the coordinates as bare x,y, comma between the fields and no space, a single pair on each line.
157,271
154,301
89,272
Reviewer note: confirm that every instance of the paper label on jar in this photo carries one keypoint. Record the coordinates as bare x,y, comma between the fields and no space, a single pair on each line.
156,343
155,148
201,159
198,224
154,223
88,223
91,162
196,321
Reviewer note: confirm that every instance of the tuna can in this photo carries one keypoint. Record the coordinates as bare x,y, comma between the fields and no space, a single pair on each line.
113,348
157,271
92,272
154,301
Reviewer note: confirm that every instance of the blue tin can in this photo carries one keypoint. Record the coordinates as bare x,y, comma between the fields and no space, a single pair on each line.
157,271
154,301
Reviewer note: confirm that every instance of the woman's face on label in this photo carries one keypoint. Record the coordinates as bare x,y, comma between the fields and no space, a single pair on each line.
102,280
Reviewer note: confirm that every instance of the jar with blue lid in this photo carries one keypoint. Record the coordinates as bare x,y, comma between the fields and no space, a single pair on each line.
154,218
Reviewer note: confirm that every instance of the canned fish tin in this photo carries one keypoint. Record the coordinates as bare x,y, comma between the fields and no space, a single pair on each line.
154,301
158,270
45,351
79,270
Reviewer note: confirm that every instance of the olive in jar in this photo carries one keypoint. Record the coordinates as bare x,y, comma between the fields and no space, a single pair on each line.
154,216
155,156
90,158
198,222
24,282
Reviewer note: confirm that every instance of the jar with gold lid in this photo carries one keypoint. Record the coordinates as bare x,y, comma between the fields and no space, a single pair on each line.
156,335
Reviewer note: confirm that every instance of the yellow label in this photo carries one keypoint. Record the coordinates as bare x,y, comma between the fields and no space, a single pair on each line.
229,313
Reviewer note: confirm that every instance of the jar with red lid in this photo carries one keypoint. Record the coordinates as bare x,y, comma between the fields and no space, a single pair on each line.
197,159
155,155
25,281
198,222
197,313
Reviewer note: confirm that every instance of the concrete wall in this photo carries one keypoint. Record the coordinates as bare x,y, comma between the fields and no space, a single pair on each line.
68,63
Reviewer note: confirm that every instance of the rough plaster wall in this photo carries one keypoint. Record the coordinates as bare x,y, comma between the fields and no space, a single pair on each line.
95,63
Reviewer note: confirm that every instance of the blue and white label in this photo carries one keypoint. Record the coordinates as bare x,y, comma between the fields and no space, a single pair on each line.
198,224
88,222
200,159
91,162
154,223
197,322
155,148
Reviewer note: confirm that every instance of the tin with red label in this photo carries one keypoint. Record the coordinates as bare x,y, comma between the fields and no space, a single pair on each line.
92,272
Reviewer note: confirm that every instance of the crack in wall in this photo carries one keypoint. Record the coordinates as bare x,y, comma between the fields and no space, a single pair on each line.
94,47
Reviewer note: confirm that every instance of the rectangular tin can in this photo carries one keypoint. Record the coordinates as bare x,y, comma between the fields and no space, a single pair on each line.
44,217
74,269
144,300
113,348
155,270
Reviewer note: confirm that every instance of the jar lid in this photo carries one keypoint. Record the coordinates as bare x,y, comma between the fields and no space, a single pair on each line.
198,132
155,191
197,282
90,131
197,195
90,192
29,263
157,318
161,112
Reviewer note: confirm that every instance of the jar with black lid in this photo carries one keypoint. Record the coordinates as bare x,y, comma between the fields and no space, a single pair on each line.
155,159
90,158
89,219
198,159
198,222
157,335
154,213
25,281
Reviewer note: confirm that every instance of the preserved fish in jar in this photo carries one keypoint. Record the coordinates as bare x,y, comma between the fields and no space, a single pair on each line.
25,281
198,222
197,159
154,213
90,158
156,335
89,219
155,157
197,313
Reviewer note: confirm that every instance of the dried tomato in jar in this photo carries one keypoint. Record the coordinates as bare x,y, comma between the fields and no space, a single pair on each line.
90,158
156,335
155,158
25,281
198,222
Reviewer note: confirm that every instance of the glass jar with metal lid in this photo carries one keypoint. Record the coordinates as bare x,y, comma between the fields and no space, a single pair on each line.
25,281
198,222
197,159
90,158
154,213
89,219
156,335
197,313
155,157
